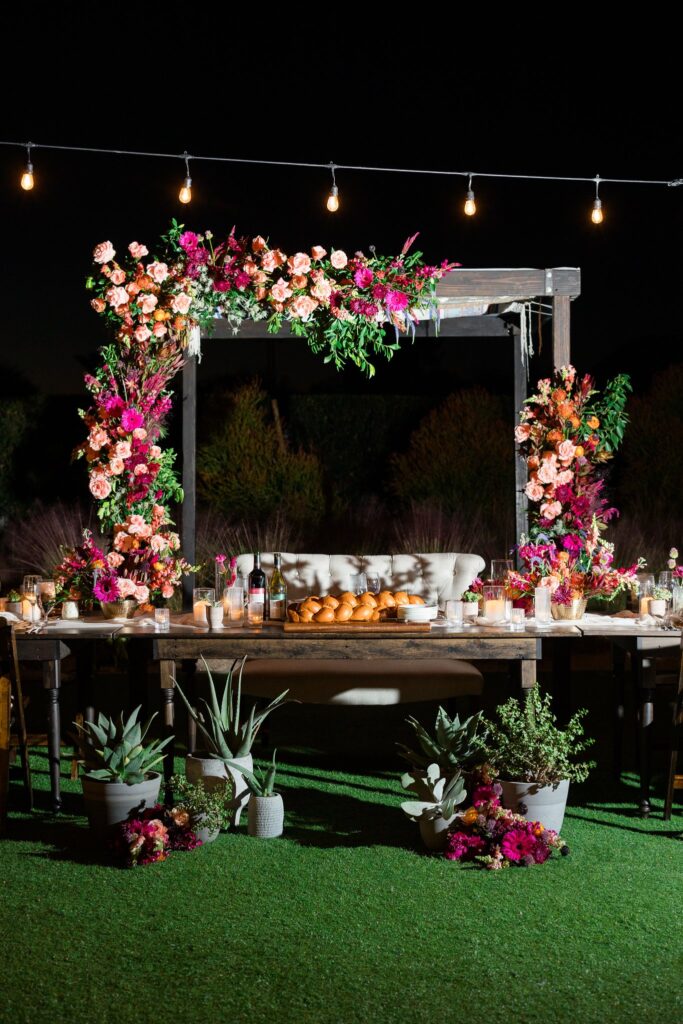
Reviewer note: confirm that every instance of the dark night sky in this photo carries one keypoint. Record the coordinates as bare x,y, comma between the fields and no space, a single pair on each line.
418,94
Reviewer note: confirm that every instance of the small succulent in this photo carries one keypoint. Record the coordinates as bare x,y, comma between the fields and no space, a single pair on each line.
262,784
453,747
226,735
117,751
439,797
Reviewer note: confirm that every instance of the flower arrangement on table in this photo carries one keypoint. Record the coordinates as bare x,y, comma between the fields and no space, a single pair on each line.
226,573
475,591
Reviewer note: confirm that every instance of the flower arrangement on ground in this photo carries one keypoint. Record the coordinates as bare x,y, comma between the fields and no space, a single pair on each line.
153,835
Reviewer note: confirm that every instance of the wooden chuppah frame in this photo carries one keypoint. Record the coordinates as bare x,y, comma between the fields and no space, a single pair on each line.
488,288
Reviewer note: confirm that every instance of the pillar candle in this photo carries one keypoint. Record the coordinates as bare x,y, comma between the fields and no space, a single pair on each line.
643,605
199,613
494,609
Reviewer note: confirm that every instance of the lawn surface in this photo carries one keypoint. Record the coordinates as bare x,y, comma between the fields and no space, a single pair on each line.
342,920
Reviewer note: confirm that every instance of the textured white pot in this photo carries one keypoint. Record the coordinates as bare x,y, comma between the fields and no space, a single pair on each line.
202,766
266,816
657,606
470,609
543,803
434,831
205,835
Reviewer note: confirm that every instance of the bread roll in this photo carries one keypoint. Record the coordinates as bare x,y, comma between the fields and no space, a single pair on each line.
310,604
324,615
362,613
401,597
330,602
293,615
368,598
305,615
387,598
414,599
375,616
349,598
343,613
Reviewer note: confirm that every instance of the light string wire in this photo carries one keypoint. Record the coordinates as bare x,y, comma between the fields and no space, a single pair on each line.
674,182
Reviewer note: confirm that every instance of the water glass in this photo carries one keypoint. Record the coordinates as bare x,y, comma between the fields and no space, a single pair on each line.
500,567
162,618
202,599
358,583
455,613
233,605
372,582
47,597
542,605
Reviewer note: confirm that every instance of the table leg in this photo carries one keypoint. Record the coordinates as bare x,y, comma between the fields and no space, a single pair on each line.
677,731
645,672
52,672
619,679
528,674
167,672
189,668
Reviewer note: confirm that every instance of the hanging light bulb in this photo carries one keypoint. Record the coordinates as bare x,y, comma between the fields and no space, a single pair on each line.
185,194
470,205
333,198
596,212
27,181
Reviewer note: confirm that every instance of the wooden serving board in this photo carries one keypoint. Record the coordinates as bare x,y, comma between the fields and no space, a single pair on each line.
390,626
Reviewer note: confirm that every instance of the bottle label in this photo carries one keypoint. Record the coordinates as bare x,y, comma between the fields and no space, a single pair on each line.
277,608
257,594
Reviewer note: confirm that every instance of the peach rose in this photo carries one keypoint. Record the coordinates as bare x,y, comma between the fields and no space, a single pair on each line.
299,281
565,477
115,559
534,491
302,306
155,452
99,486
140,469
159,330
135,524
551,509
317,252
167,591
272,260
157,543
261,293
117,277
147,302
566,451
117,297
140,433
299,263
260,277
533,462
322,290
99,305
142,593
338,259
97,439
158,272
132,288
547,473
127,587
116,466
279,292
122,450
137,251
522,432
103,252
181,303
249,267
259,244
142,333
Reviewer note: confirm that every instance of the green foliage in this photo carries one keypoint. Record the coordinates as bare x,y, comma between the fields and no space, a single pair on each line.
122,755
225,733
525,745
261,784
610,408
453,746
461,455
439,797
246,470
206,807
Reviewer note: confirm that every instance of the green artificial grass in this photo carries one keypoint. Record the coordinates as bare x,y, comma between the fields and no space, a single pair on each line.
343,920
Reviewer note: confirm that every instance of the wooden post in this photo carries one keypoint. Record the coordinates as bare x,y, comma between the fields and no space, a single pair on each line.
189,510
561,339
520,393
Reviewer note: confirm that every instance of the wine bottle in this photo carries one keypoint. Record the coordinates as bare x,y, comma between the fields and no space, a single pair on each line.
277,591
257,592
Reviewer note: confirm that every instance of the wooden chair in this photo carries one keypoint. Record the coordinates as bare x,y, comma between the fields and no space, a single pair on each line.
11,704
675,780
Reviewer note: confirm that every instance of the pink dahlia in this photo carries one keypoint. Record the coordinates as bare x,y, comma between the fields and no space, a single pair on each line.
396,301
517,844
363,277
131,420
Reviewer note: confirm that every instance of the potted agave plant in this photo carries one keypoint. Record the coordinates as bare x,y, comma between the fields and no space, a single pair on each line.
436,811
266,812
119,777
534,760
228,738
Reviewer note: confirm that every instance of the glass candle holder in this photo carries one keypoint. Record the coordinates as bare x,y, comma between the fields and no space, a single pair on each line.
494,603
500,567
233,605
646,582
358,583
202,599
517,617
162,618
542,605
455,613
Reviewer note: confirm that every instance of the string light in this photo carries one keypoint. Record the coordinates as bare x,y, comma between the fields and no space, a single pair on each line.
185,194
596,212
333,198
470,205
27,181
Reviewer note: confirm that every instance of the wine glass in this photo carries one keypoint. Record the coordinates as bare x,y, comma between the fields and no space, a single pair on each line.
500,567
47,598
29,590
373,582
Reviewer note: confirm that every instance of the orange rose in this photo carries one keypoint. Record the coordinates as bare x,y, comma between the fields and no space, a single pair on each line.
580,451
532,462
575,422
470,816
593,422
555,435
565,410
559,395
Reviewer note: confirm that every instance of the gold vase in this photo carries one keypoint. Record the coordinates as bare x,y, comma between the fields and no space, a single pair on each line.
575,610
119,609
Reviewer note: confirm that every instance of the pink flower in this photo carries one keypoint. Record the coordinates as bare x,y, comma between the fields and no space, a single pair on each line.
127,587
259,243
116,296
117,277
181,303
317,252
122,450
147,302
142,333
302,306
159,512
167,591
522,432
99,486
396,301
137,250
158,272
517,844
155,452
299,281
551,509
97,439
272,260
140,469
299,263
99,305
116,466
566,451
142,595
103,252
534,491
139,433
115,559
338,259
363,277
565,477
322,290
279,292
157,543
131,419
547,472
159,330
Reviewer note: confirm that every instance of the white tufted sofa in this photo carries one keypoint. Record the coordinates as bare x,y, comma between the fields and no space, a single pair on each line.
376,680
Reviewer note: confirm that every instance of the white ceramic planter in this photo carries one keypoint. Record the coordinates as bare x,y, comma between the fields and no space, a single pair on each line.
266,816
434,831
470,609
109,803
542,803
657,606
204,767
205,835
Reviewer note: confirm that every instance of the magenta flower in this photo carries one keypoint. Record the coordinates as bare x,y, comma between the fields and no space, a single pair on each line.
188,241
396,301
131,420
106,589
517,844
363,277
485,794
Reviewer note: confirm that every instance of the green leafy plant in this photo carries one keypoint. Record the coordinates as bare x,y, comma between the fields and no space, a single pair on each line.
225,733
206,807
119,752
525,744
14,596
661,593
439,797
453,746
261,784
610,408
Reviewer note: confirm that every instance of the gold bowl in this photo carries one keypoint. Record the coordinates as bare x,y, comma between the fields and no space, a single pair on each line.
575,610
119,609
